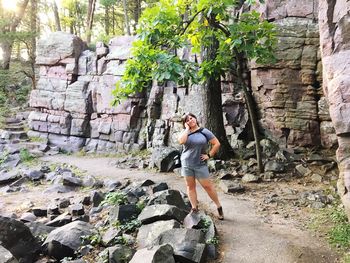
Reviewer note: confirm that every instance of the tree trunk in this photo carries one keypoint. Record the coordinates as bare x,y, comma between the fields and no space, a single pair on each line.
32,49
113,20
137,12
71,26
107,23
251,111
126,17
212,101
90,19
214,120
18,51
57,16
6,46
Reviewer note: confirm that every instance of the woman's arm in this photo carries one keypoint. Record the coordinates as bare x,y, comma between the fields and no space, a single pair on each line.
184,135
215,145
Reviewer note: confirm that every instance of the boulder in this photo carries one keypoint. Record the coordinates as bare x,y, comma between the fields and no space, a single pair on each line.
153,213
39,229
60,220
96,198
156,254
110,235
9,177
147,234
17,238
160,187
189,244
35,175
163,158
123,213
169,197
67,143
68,179
231,187
58,46
6,256
64,241
120,253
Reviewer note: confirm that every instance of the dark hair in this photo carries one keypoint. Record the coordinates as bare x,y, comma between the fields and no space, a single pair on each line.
185,117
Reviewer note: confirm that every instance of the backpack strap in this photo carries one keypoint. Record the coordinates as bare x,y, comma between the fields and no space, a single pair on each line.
200,130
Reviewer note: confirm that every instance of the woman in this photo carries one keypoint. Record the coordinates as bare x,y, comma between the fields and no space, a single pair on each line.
193,160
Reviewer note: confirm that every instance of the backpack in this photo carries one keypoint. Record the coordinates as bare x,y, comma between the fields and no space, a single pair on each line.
177,157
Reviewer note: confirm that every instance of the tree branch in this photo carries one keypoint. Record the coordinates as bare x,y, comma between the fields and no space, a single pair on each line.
190,21
18,19
222,28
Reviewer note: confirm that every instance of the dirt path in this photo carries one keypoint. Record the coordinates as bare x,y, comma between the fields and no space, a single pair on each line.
244,237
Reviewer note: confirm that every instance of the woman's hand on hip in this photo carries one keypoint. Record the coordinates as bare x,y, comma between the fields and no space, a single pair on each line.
205,157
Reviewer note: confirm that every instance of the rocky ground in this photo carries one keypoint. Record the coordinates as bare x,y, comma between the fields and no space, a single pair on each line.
266,215
264,221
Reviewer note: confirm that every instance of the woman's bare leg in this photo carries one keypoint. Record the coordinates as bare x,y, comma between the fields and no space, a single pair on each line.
191,190
209,187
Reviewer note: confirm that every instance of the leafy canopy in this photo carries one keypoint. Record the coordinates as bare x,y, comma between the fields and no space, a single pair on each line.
172,27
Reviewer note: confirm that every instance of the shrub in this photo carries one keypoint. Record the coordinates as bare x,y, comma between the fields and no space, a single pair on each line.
115,198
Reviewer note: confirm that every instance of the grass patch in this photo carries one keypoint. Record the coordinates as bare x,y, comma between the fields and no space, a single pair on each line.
339,234
334,224
38,139
25,155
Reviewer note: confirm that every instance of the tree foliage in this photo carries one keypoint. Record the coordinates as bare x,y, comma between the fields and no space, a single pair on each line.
171,26
217,36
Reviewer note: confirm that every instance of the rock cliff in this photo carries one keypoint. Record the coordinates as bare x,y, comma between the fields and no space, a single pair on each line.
335,48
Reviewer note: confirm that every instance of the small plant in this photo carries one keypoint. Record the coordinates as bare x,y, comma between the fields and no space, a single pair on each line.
115,198
140,205
213,241
3,157
38,139
205,224
121,240
142,154
81,153
129,226
132,225
93,240
77,172
25,155
42,237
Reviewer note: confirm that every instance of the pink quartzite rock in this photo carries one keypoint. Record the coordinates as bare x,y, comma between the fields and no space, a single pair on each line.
57,47
334,39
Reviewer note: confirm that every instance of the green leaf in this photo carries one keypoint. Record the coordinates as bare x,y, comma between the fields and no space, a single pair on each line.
172,25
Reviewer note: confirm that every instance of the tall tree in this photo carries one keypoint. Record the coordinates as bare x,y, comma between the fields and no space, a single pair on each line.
137,11
113,18
56,15
126,17
77,13
90,19
34,31
217,29
9,22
